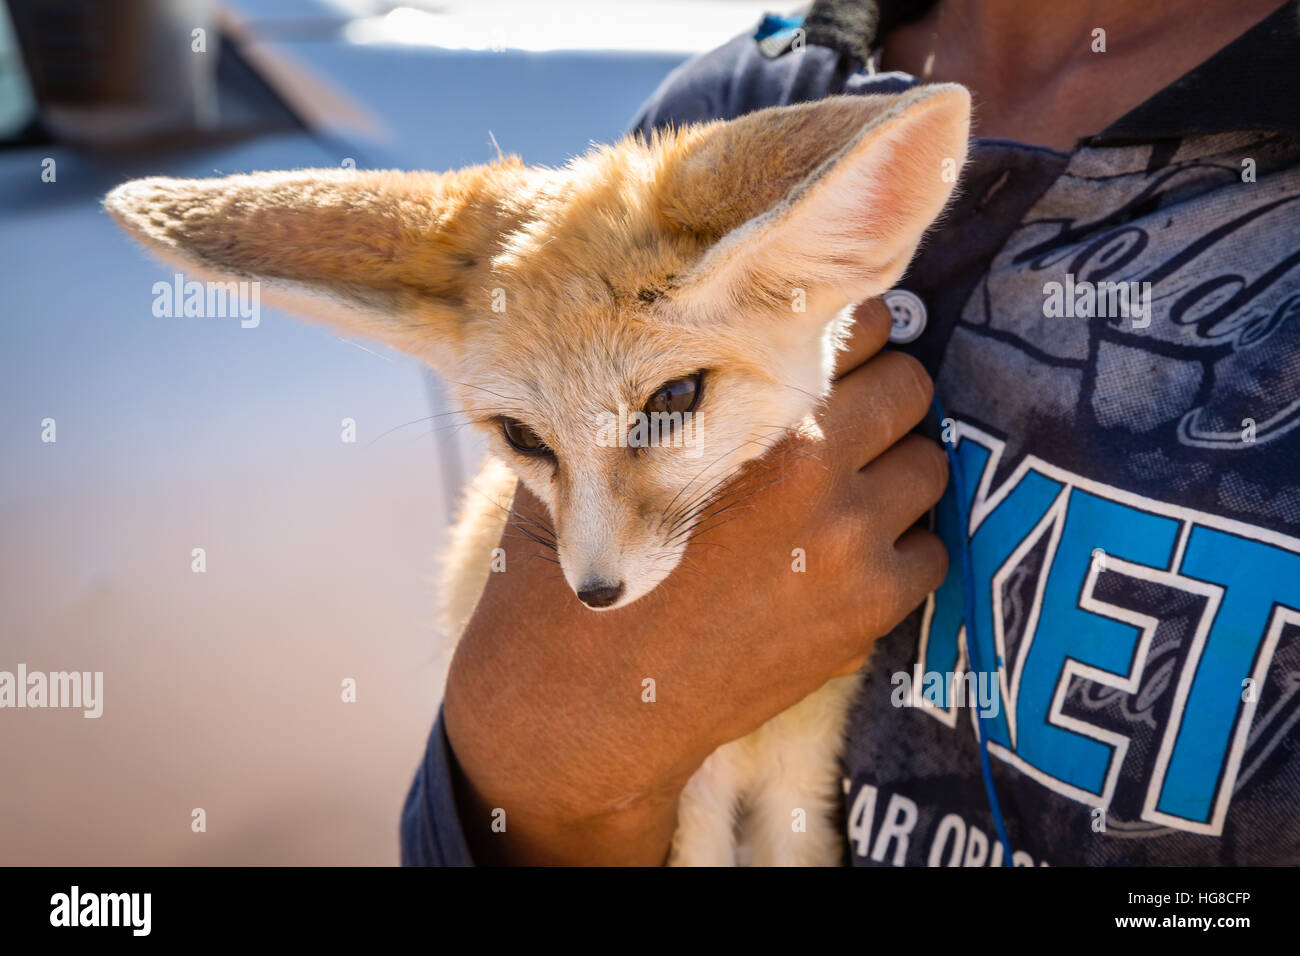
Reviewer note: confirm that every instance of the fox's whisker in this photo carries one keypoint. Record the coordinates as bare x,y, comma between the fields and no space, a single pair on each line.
527,535
537,523
673,510
702,502
504,398
719,506
703,471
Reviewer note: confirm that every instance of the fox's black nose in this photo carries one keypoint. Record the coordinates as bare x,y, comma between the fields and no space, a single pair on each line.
600,593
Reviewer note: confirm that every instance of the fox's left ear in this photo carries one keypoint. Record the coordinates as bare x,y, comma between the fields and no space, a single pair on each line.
830,197
385,255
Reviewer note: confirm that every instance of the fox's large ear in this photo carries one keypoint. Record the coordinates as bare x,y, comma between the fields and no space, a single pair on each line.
830,197
384,255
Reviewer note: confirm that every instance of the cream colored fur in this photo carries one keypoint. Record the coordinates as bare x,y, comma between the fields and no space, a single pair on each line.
553,297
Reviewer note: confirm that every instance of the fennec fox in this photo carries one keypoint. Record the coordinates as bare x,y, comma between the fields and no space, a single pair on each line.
706,275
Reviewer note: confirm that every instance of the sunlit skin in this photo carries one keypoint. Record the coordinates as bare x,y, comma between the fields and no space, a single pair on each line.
1033,70
542,708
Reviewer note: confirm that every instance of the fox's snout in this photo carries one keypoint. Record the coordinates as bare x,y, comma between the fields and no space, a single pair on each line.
599,594
610,558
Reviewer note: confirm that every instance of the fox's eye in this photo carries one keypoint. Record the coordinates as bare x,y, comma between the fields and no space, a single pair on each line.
679,395
522,438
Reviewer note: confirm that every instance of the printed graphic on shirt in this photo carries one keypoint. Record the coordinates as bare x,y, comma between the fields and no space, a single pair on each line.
1129,633
1126,384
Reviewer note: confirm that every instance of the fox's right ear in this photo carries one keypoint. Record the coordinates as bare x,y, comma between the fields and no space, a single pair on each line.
830,197
390,256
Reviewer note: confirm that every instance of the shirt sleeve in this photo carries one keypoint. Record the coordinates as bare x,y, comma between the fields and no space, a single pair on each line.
735,79
431,832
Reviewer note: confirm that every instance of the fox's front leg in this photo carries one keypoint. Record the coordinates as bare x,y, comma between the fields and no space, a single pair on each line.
708,807
792,818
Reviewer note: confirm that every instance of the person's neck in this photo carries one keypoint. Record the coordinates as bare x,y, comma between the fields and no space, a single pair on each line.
1035,69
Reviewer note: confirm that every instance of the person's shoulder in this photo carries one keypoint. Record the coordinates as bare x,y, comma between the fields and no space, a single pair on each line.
751,71
704,87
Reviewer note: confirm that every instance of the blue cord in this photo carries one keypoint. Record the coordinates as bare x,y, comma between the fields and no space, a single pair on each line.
972,630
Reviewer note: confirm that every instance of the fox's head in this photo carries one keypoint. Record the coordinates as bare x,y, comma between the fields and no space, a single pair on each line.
628,330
